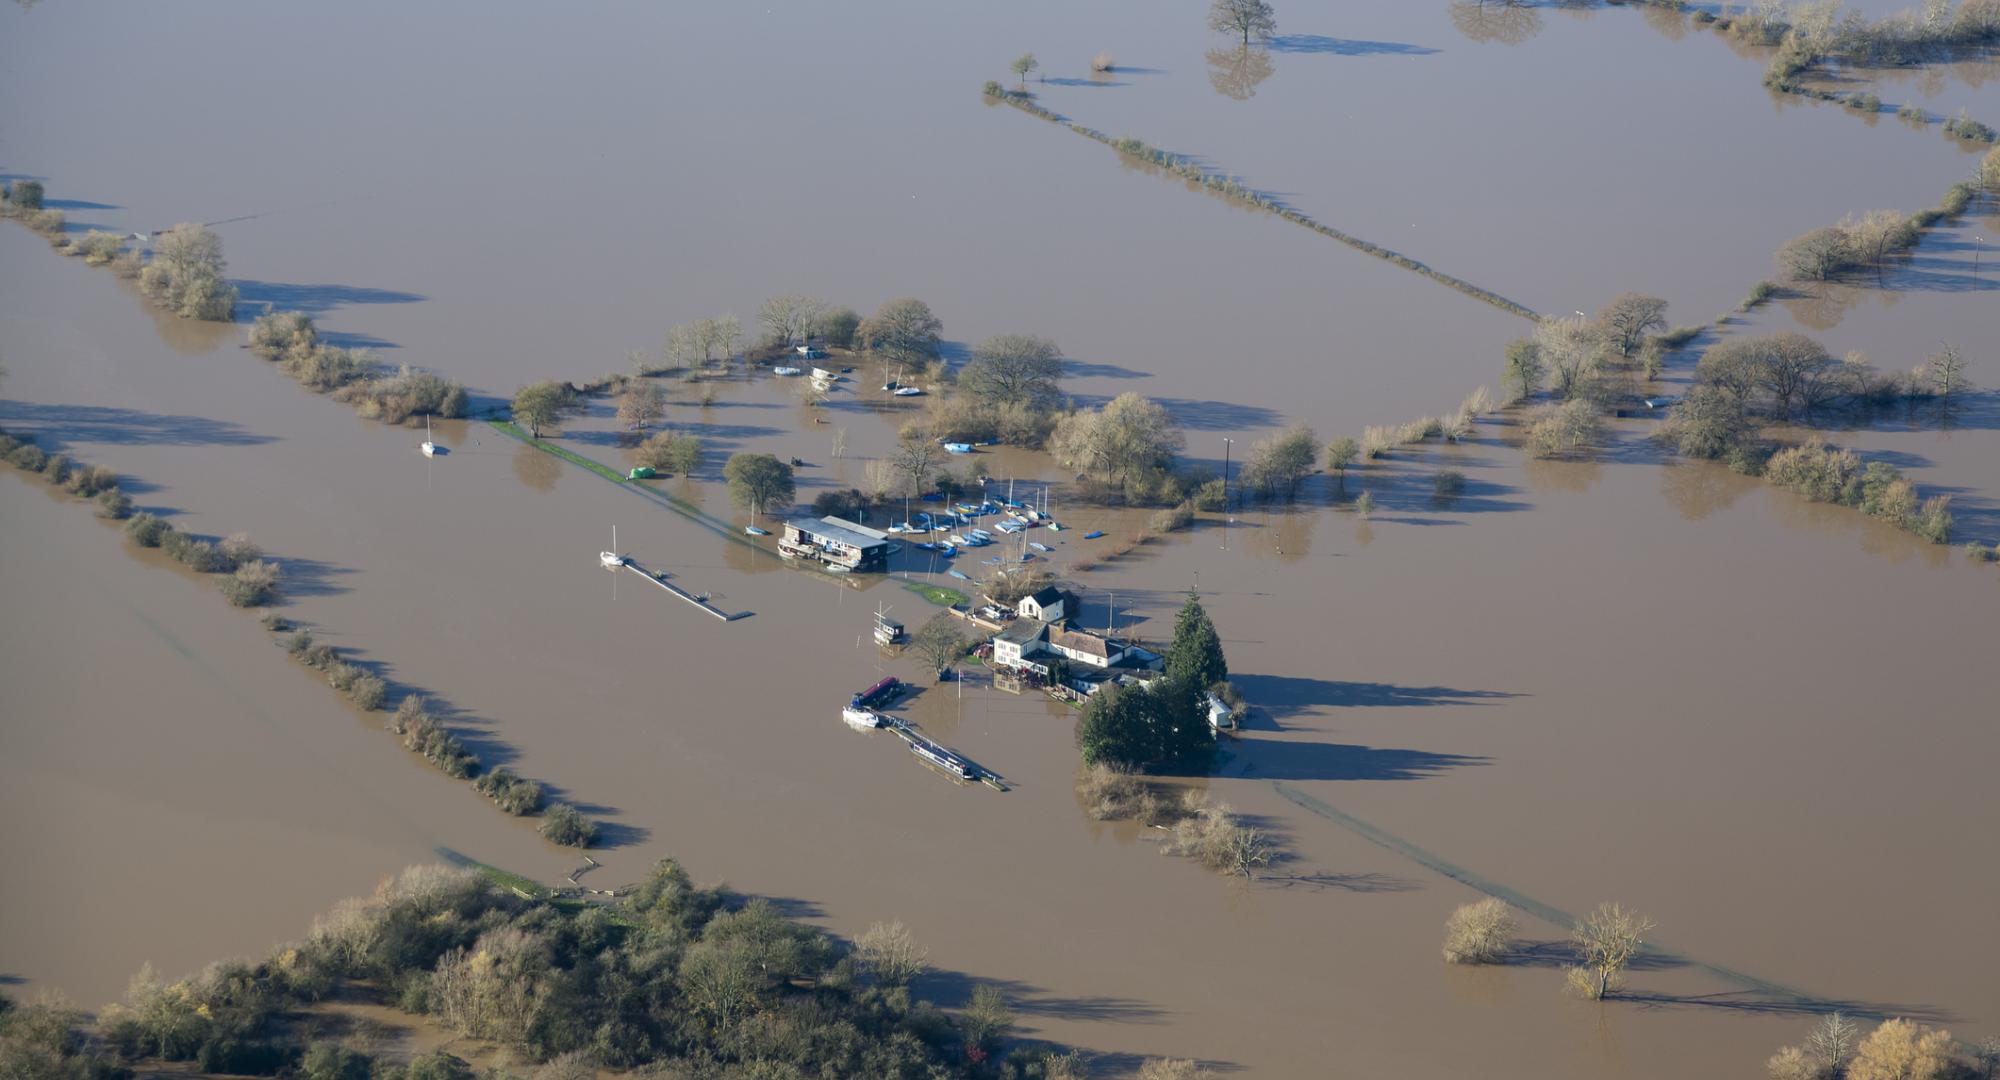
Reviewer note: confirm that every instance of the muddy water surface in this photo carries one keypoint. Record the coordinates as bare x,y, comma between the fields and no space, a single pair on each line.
1757,719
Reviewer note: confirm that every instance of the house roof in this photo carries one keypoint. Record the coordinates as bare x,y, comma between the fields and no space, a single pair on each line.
1079,641
845,532
1048,597
1022,631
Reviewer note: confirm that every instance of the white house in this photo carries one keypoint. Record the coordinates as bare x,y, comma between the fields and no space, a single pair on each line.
1085,648
1045,606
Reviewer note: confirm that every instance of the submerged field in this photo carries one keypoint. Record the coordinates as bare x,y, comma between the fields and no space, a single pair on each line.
1760,720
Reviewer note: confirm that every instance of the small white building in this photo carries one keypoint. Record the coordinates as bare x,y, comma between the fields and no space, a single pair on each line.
1084,647
1045,606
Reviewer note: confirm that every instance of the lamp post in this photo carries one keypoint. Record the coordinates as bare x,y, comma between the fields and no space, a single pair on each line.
1227,444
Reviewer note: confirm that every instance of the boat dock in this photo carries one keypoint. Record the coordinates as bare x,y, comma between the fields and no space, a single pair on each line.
697,601
939,756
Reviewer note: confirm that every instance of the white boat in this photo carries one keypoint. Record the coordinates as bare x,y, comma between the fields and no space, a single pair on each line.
755,531
787,371
429,448
906,391
861,719
611,558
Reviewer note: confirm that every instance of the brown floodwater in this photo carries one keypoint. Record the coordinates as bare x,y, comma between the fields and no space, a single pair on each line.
1757,719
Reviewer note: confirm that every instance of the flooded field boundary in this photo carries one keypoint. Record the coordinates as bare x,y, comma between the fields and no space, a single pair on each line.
1232,190
1775,997
605,472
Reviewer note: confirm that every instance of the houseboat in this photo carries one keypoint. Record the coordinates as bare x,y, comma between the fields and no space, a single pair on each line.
938,757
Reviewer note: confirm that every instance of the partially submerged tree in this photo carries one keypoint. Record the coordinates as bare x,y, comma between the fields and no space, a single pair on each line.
1945,374
915,460
1128,434
1606,942
639,406
903,332
1525,370
756,481
939,642
1340,453
1244,18
538,405
1479,933
1022,65
185,274
1818,255
1629,318
1014,369
786,319
888,952
1572,351
1277,464
1900,1049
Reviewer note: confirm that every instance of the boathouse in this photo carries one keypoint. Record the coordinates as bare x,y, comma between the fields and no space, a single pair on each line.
837,542
1045,606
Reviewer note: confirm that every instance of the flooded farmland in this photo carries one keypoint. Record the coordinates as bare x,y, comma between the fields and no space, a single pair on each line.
1757,719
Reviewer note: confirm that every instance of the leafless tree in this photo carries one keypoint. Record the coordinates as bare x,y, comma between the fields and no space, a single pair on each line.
1831,1042
890,954
1509,22
1606,940
1479,933
1630,317
639,406
1246,18
1009,369
1945,371
916,457
939,642
1818,255
1902,1050
1571,349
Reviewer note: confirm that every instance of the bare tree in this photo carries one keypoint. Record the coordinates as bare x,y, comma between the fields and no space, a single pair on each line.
917,455
889,953
639,406
1945,371
1479,933
1009,369
1246,18
1818,255
1525,370
1277,464
1571,350
904,332
1630,317
1509,22
939,642
791,318
1606,941
1831,1042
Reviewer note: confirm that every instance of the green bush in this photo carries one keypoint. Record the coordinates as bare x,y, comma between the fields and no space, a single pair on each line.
1447,483
511,793
563,824
275,622
1172,519
55,468
28,457
368,692
25,194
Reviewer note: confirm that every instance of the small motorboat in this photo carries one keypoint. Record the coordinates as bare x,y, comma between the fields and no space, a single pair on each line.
955,447
949,551
755,531
1039,546
926,545
960,575
1093,534
1010,526
981,535
960,540
787,371
906,391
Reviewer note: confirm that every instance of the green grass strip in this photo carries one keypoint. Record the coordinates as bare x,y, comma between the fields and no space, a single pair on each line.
936,594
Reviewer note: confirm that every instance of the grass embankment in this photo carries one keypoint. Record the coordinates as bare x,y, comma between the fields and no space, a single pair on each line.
679,506
1233,190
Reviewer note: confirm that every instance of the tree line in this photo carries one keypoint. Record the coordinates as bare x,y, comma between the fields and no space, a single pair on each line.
674,978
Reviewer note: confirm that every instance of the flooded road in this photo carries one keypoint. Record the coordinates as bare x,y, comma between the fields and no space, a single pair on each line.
1756,719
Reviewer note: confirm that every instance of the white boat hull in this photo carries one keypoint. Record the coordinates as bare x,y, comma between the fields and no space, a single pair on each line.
861,719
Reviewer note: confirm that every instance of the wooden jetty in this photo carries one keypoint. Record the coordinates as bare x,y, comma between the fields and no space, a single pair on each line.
916,739
662,582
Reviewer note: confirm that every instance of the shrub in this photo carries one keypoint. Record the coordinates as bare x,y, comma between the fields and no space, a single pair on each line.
25,194
1759,293
28,457
1114,793
1174,1069
511,793
55,468
1989,170
993,89
1376,441
50,223
185,274
254,584
1210,495
113,504
98,247
1365,505
281,333
1479,933
147,530
1213,837
200,556
298,643
1447,483
239,548
90,480
1172,519
563,824
127,264
275,622
888,952
1103,61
